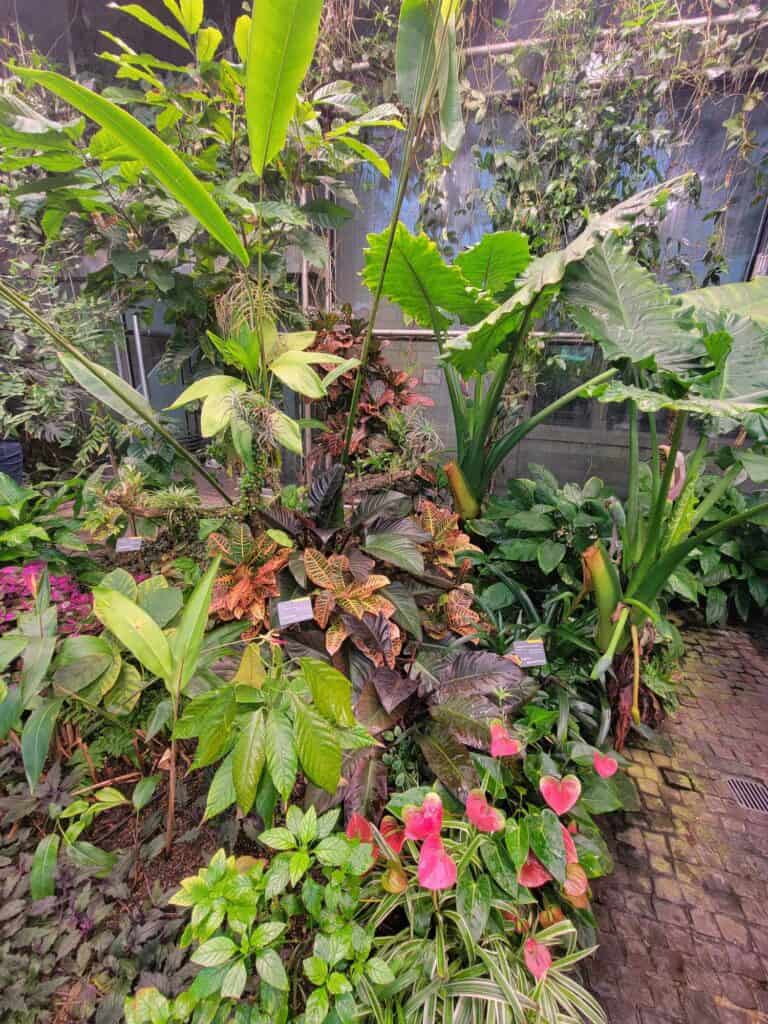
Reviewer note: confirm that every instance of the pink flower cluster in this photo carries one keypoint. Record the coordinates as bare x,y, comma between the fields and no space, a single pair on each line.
17,588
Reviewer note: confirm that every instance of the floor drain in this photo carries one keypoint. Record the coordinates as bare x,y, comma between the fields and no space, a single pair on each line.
750,794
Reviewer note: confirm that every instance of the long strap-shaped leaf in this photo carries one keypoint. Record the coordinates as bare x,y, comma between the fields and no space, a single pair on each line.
106,386
159,159
282,42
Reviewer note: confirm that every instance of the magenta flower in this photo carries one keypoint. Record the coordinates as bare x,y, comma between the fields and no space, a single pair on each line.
560,794
436,869
480,813
502,744
426,821
537,958
604,764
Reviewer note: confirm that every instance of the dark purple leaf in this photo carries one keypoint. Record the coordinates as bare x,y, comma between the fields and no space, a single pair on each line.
393,687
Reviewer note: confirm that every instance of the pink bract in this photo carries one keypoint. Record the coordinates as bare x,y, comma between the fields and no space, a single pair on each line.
480,813
436,869
502,744
425,821
560,794
571,855
533,873
537,958
604,764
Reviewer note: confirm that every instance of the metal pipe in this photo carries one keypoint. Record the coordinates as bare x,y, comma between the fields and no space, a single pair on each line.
749,271
752,13
140,358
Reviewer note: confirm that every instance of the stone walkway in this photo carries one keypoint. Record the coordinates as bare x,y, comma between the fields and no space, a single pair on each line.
683,920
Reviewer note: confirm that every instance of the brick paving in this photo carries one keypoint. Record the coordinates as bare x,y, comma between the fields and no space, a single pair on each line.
683,920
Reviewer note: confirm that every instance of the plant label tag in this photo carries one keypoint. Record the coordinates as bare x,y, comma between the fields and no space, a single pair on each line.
530,653
291,612
126,544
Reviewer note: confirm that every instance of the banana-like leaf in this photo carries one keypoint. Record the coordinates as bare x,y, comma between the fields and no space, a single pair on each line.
495,263
141,14
627,312
425,287
188,638
747,298
449,88
472,351
154,155
282,41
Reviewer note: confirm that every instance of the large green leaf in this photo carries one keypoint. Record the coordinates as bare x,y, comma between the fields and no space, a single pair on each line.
42,875
36,739
449,86
109,389
141,14
747,298
153,154
135,630
396,549
281,752
331,691
495,263
425,287
188,638
623,307
248,761
471,352
415,55
282,42
318,748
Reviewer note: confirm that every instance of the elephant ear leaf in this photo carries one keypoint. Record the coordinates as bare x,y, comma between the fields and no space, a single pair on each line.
748,298
627,312
496,262
158,158
281,44
471,352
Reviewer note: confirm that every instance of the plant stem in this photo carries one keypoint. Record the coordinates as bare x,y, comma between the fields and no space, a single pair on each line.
633,497
169,821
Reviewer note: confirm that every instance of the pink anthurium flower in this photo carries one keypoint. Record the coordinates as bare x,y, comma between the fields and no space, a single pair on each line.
533,873
436,869
560,794
604,764
502,744
537,958
480,813
571,855
393,834
425,821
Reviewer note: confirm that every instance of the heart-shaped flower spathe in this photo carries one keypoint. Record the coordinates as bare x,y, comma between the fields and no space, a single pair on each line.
502,744
533,873
560,794
436,869
392,833
604,764
480,813
425,821
537,958
571,854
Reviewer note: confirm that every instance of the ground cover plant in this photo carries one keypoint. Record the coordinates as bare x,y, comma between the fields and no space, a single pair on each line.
301,772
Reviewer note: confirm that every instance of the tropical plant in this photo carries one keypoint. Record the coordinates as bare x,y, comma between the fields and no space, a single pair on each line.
267,723
691,357
33,526
475,940
248,915
498,290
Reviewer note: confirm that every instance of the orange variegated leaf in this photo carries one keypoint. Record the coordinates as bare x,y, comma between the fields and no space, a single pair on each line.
335,636
323,608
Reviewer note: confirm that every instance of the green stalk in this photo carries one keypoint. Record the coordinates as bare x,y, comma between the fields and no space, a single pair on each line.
633,496
686,498
655,580
718,490
655,465
604,663
415,125
504,445
654,525
17,302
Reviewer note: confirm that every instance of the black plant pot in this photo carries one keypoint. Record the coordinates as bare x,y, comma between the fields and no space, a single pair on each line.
12,460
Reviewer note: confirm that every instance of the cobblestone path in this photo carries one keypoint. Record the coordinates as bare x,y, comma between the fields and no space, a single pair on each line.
683,920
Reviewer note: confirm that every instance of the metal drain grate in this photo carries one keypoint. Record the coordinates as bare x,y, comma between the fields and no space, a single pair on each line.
750,794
